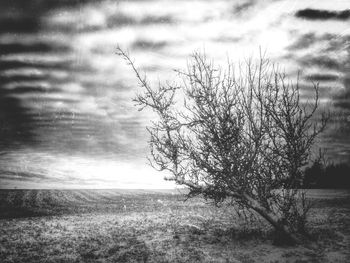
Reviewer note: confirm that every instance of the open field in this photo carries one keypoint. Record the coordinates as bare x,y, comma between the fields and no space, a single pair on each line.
156,226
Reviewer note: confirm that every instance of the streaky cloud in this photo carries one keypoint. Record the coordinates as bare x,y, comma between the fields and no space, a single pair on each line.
304,41
121,19
342,99
321,61
316,14
242,7
330,42
40,47
322,77
23,176
147,44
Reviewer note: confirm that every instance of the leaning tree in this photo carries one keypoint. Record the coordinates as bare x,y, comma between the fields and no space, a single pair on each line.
240,133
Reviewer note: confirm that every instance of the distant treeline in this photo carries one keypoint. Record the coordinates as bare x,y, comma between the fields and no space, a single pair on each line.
327,176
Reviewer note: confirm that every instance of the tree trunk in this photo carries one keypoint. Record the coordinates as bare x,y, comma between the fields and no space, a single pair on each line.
272,219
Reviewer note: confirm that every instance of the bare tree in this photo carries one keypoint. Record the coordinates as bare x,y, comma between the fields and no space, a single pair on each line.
238,134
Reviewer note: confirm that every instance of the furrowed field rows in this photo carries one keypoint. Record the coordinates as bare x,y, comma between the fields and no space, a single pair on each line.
25,203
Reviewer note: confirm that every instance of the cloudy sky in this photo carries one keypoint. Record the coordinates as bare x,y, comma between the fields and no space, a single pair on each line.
67,119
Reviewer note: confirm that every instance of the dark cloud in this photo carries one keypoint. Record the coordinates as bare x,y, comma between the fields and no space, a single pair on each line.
4,79
331,66
342,99
6,64
321,61
19,25
335,139
322,77
337,136
40,6
24,89
10,48
324,56
33,120
147,44
304,41
316,14
329,42
113,21
157,20
16,123
121,19
50,128
242,7
308,90
338,43
17,16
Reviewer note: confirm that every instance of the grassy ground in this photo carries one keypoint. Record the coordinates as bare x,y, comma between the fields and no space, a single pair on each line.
127,226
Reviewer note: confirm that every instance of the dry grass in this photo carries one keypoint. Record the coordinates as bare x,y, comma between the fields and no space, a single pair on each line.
93,226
